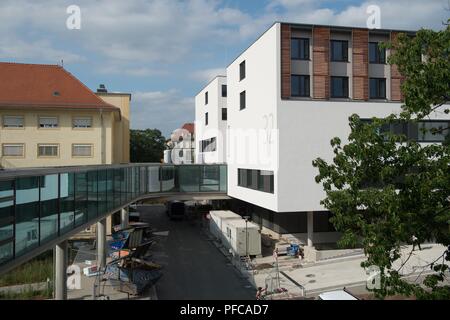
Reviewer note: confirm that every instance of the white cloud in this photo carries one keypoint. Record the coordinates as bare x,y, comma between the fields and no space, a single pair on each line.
207,75
165,110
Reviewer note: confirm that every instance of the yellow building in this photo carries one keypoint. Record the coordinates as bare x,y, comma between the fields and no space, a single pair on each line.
49,118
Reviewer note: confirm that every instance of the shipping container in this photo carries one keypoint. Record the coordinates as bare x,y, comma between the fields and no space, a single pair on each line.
243,237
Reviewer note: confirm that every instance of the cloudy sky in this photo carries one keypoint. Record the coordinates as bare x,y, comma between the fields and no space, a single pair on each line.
165,51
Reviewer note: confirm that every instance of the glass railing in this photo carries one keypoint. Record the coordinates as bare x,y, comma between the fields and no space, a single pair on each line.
39,205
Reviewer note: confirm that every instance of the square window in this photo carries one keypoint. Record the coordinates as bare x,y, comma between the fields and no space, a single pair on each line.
339,50
376,54
300,86
339,87
300,49
377,88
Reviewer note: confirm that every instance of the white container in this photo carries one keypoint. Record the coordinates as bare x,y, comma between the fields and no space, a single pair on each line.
216,219
235,234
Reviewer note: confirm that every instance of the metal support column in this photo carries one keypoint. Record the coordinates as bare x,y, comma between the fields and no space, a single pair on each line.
310,230
101,243
61,271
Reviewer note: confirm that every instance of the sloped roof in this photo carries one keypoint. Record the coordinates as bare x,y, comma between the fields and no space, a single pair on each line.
40,86
189,127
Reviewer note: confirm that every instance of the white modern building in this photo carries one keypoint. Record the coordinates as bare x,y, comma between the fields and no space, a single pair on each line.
289,94
211,122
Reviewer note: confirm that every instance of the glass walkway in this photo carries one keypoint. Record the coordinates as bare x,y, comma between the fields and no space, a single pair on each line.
44,206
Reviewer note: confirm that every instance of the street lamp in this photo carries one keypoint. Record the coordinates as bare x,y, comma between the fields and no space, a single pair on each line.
246,234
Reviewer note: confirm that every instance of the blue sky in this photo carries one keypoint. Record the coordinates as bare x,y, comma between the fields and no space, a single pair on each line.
165,51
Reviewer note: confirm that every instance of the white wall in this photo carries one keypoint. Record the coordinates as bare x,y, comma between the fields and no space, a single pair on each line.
249,143
216,126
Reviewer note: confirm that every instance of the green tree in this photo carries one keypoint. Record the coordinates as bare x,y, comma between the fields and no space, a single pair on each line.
386,189
146,145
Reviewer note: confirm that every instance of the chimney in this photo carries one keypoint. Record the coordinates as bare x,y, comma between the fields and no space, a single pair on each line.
102,89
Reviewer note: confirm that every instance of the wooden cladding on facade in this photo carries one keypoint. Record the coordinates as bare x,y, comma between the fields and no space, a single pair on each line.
321,64
396,77
360,64
285,61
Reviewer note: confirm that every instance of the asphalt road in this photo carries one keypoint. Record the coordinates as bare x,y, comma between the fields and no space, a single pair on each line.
193,268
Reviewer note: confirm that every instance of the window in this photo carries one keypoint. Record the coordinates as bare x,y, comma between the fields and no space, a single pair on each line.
376,54
81,150
206,119
422,131
224,114
259,180
300,48
13,121
242,71
433,131
13,150
48,122
48,150
339,50
300,86
377,88
242,100
339,87
82,122
224,90
206,97
208,145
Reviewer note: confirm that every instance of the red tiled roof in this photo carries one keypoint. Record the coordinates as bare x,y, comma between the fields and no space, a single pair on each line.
189,127
38,85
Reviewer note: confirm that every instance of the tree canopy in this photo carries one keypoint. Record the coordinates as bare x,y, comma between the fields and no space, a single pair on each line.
146,145
386,189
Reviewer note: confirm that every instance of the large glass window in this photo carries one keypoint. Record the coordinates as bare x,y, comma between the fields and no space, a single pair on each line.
339,50
189,178
208,145
260,180
6,220
339,87
13,121
433,131
27,214
49,207
48,122
92,200
376,54
67,202
377,88
81,193
300,86
300,48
